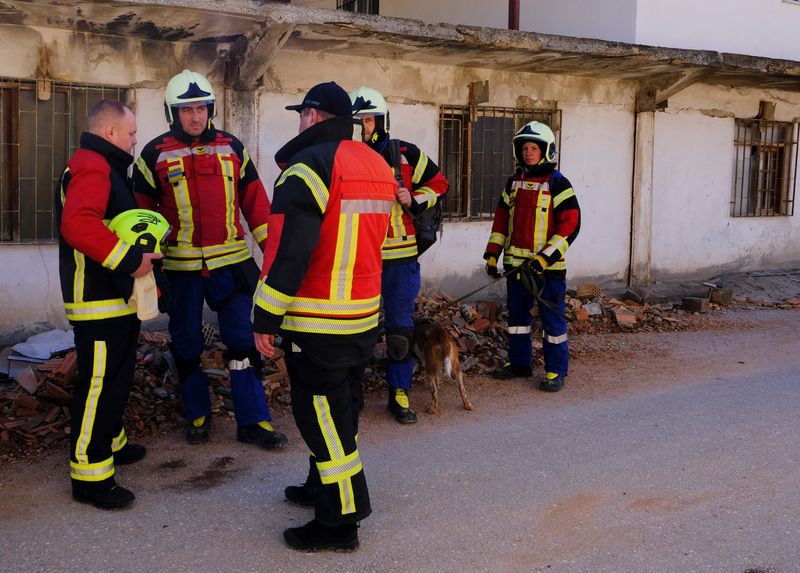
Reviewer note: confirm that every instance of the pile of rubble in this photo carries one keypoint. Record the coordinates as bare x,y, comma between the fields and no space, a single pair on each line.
35,408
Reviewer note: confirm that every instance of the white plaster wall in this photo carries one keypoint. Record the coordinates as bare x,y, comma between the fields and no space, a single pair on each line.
613,20
737,26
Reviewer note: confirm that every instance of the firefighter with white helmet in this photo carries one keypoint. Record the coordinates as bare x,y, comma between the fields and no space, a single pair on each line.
420,186
201,180
537,219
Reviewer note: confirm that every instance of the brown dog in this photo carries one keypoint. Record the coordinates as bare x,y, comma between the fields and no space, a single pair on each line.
439,353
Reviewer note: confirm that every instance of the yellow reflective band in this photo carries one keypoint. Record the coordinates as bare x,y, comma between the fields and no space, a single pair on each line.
425,196
396,221
79,277
271,300
327,325
98,471
145,171
332,442
341,468
63,192
561,197
180,191
116,255
344,258
97,309
99,356
173,265
340,307
366,206
407,249
245,161
338,469
556,243
419,170
312,181
259,233
497,239
228,180
119,442
542,220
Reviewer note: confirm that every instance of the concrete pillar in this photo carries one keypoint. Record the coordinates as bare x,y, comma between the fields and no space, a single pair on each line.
241,117
642,204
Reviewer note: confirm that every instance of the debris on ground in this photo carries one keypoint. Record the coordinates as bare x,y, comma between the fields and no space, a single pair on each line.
35,403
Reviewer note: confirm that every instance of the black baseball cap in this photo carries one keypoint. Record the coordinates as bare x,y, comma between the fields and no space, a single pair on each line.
329,97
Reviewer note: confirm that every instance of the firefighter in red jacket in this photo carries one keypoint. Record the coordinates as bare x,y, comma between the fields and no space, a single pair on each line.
536,221
200,178
97,270
320,289
422,186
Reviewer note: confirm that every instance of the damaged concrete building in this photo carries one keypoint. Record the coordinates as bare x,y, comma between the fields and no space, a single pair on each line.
683,156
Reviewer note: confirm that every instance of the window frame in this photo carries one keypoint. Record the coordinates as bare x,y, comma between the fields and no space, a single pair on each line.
359,6
459,204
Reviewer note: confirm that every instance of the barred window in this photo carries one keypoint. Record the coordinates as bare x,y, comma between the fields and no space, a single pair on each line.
40,126
765,168
476,154
361,6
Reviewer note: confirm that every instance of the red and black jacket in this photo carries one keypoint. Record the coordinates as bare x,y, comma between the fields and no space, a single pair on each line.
95,265
321,277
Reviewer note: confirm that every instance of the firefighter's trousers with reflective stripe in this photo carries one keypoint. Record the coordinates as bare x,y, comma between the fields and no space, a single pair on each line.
224,294
106,361
326,404
400,284
555,348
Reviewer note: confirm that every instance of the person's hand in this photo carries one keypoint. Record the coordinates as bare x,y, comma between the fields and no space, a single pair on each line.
538,264
491,268
404,197
147,264
265,343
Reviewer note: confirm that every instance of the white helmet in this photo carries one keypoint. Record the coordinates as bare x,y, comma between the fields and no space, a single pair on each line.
367,101
537,132
188,87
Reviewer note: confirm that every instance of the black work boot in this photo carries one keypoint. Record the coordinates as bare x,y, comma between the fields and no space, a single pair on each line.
129,454
399,406
552,384
266,438
314,536
304,495
509,371
197,430
103,495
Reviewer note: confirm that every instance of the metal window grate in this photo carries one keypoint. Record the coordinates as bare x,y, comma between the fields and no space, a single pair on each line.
40,127
361,6
764,169
476,154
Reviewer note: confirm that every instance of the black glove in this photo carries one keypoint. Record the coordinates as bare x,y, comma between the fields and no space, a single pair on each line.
491,268
538,264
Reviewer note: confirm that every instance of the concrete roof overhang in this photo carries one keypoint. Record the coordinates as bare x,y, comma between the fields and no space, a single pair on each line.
256,30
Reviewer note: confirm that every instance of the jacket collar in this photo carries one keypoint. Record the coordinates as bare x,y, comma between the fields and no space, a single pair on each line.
116,157
334,129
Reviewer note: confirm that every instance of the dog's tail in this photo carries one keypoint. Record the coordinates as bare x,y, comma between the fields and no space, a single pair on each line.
448,367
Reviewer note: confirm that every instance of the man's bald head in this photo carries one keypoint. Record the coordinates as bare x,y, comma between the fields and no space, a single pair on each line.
113,121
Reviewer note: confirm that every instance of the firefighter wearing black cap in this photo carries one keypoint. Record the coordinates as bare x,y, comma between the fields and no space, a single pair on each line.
536,221
200,178
320,288
97,270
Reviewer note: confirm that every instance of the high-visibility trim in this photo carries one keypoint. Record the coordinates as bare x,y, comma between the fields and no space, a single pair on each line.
342,467
271,300
497,239
146,173
191,259
78,279
119,441
519,329
312,181
366,206
180,265
239,364
232,259
116,255
398,228
340,307
180,153
259,233
542,220
556,243
62,189
555,339
97,309
425,196
406,249
419,170
180,190
344,259
231,204
98,471
245,161
99,357
329,325
563,196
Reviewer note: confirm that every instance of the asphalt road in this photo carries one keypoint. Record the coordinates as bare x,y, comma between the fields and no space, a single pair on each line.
699,475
